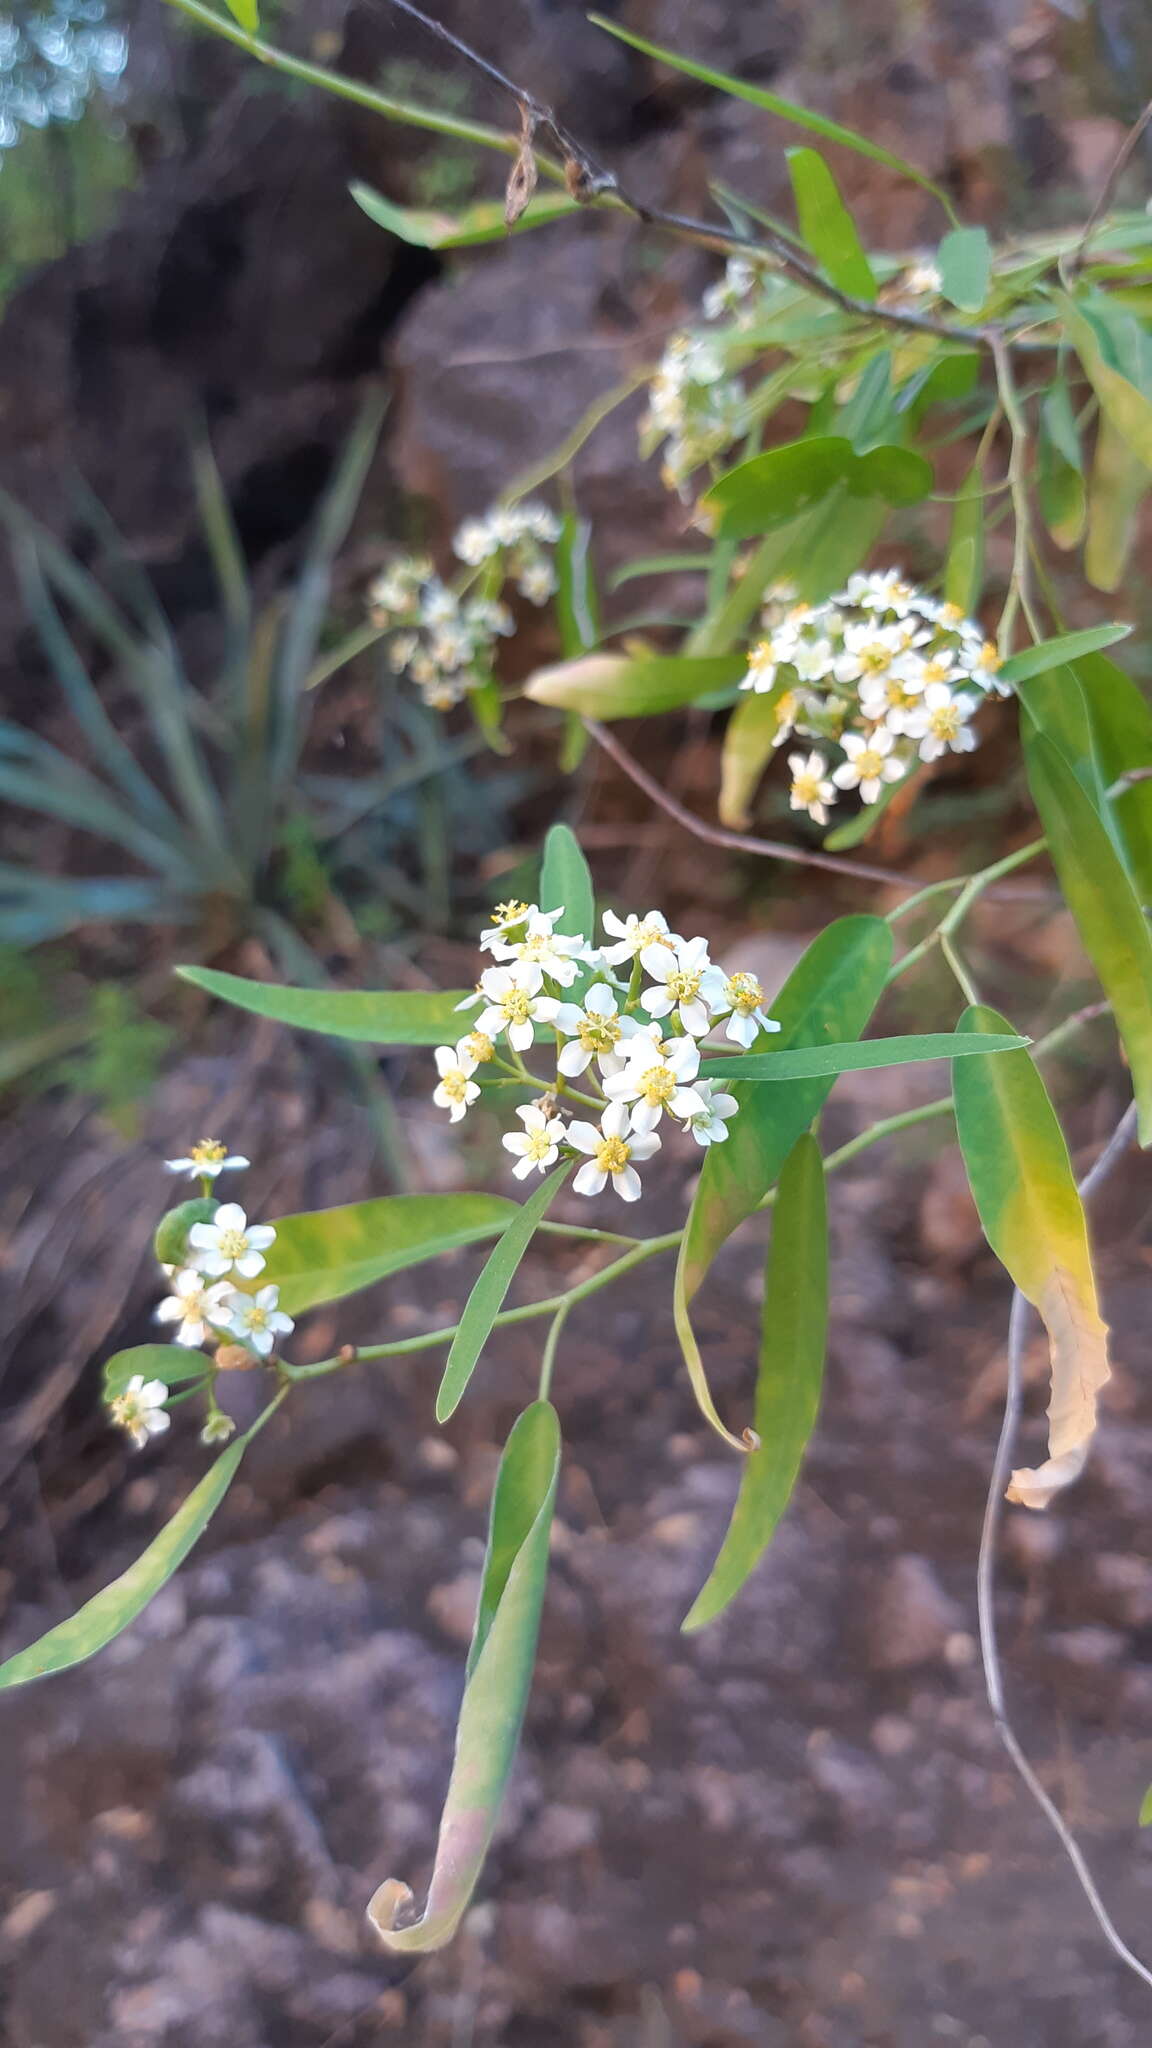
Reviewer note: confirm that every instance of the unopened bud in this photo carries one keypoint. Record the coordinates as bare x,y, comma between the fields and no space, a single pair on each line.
236,1358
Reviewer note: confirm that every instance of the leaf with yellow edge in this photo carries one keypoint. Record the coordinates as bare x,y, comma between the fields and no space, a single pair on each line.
632,686
749,742
496,1687
1025,1191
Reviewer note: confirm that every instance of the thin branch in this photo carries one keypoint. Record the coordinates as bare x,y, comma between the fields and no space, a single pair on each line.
986,1581
1107,193
739,842
593,183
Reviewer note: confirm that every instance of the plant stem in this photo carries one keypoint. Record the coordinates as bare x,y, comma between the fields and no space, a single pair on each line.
950,923
549,1359
1019,597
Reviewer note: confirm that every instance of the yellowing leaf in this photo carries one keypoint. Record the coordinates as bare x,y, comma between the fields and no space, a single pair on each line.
748,746
1025,1191
631,686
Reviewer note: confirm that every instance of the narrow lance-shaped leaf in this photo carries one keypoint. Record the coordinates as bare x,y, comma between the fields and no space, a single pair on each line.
325,1254
1034,661
487,1296
1025,1191
786,110
749,743
809,1061
566,884
830,994
109,1612
794,1330
964,570
609,686
827,226
1098,891
1118,485
371,1016
428,227
496,1692
1121,723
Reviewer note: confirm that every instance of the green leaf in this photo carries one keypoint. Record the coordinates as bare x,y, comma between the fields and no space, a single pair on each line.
496,1692
1099,893
1146,1809
869,417
109,1612
246,12
830,993
171,1363
1025,1191
427,227
611,686
1117,488
372,1016
566,884
577,607
325,1254
1061,491
774,487
855,1058
1121,725
1033,661
749,743
827,226
793,1335
965,264
964,569
1127,408
786,110
487,1297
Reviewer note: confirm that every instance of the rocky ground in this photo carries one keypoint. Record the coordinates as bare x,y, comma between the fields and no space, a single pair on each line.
797,1828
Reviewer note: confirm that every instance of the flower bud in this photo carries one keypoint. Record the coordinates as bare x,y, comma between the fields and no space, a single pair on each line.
236,1358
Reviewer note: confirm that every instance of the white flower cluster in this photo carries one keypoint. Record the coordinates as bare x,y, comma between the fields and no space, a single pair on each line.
629,1034
695,407
521,534
205,1304
883,671
445,638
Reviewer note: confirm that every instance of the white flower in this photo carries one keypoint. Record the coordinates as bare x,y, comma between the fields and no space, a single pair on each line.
658,1077
688,983
942,722
869,765
633,934
984,669
513,1004
140,1410
455,1091
230,1243
508,917
762,665
538,1143
593,1032
744,998
869,650
193,1305
536,580
709,1125
539,946
257,1321
611,1150
474,542
207,1159
812,660
812,791
921,281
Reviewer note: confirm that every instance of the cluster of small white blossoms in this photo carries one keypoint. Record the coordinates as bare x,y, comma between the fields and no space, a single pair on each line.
205,1304
627,1048
883,671
444,638
695,407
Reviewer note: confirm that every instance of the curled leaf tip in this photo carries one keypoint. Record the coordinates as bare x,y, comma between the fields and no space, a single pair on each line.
751,1440
388,1902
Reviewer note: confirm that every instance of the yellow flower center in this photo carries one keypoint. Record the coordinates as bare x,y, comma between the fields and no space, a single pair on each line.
510,913
480,1047
613,1155
806,790
875,659
897,695
455,1084
598,1034
256,1317
208,1152
951,614
517,1006
938,669
233,1244
539,1144
541,946
684,987
744,991
944,723
869,765
125,1411
658,1085
988,658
